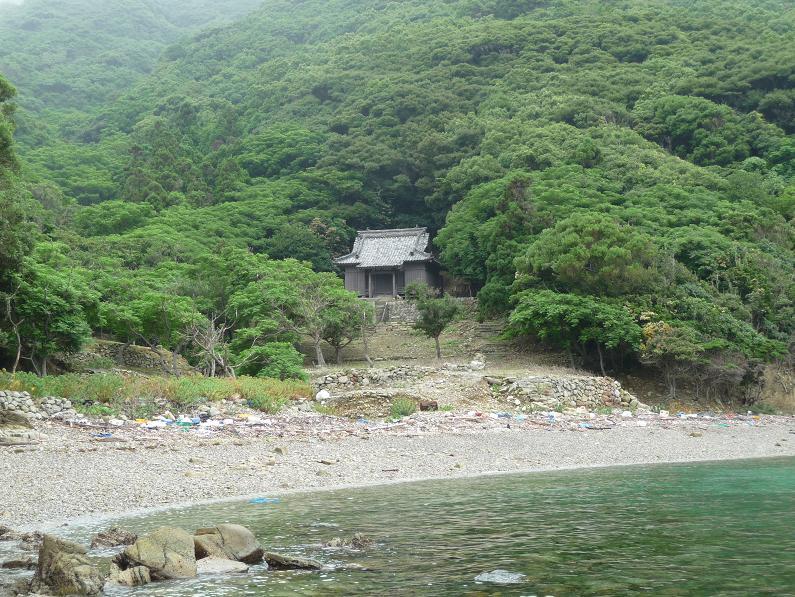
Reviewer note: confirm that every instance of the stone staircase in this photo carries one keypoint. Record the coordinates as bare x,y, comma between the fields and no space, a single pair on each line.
489,332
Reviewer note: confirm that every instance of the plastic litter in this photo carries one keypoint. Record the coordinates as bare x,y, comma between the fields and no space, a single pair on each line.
102,435
665,414
586,426
626,414
264,500
642,423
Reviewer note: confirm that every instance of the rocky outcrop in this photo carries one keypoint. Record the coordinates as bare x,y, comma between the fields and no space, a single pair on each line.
213,565
131,577
228,541
168,553
64,569
113,537
279,561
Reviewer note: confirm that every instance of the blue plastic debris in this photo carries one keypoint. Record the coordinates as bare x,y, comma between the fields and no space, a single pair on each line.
103,435
264,500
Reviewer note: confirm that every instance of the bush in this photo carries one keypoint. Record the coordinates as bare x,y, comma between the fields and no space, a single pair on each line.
403,407
138,395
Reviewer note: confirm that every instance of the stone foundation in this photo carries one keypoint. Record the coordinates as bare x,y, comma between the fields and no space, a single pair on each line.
561,392
356,378
15,404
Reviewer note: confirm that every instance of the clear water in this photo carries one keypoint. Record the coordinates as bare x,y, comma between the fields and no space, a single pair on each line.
696,529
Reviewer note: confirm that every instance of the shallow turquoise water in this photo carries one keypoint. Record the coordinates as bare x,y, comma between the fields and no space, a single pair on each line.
695,529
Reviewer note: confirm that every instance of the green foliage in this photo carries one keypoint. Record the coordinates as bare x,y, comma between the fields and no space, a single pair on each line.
435,312
402,407
280,360
129,394
632,159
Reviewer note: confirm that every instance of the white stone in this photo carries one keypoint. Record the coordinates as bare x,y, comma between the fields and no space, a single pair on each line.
323,395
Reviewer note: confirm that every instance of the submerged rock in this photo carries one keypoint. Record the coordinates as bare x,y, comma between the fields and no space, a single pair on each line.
279,561
213,565
228,541
113,537
168,552
27,563
358,541
64,569
501,577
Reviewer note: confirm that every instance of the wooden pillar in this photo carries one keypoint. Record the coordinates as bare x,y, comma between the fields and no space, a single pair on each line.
370,284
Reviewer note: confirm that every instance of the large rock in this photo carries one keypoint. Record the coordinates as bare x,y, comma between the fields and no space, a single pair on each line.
228,541
113,537
64,569
280,561
168,553
131,577
213,565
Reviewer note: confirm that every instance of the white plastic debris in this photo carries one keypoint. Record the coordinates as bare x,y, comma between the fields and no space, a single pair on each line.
323,395
626,414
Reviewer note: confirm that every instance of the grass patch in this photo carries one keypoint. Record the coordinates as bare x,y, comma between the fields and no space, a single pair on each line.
324,409
143,396
447,408
402,407
761,408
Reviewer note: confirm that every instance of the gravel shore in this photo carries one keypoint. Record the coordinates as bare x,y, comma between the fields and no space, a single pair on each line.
73,473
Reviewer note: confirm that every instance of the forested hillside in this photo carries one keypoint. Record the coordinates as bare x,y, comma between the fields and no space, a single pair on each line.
615,176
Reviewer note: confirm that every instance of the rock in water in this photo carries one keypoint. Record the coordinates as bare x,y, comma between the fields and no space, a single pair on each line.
113,538
501,577
279,561
168,553
134,577
213,565
228,541
64,569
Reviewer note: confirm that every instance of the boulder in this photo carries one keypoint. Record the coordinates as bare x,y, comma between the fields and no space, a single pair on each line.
64,569
213,565
134,577
113,537
279,561
228,541
168,553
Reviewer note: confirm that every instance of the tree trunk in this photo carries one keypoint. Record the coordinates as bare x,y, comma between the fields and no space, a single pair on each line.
601,359
438,347
44,367
321,362
19,352
364,340
338,355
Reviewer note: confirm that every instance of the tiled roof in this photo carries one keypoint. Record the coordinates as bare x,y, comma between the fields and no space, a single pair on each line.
387,248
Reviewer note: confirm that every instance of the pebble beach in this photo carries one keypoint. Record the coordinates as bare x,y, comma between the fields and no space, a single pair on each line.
90,471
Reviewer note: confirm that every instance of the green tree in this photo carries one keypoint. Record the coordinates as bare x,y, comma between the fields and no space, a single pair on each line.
435,312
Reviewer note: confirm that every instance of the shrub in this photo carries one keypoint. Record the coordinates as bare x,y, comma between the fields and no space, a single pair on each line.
403,407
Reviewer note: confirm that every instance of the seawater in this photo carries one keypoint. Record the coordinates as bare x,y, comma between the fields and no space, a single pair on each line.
688,529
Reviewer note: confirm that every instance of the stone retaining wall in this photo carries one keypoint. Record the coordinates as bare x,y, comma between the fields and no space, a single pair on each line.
352,378
549,392
13,404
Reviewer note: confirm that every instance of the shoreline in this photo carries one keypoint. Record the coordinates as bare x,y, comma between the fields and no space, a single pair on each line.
143,472
109,516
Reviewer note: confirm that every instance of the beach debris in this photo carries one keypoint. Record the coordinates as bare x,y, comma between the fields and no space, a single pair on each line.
322,395
229,541
113,537
429,405
501,577
279,561
264,500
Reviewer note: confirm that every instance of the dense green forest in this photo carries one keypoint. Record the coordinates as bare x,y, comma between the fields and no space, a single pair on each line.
616,177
